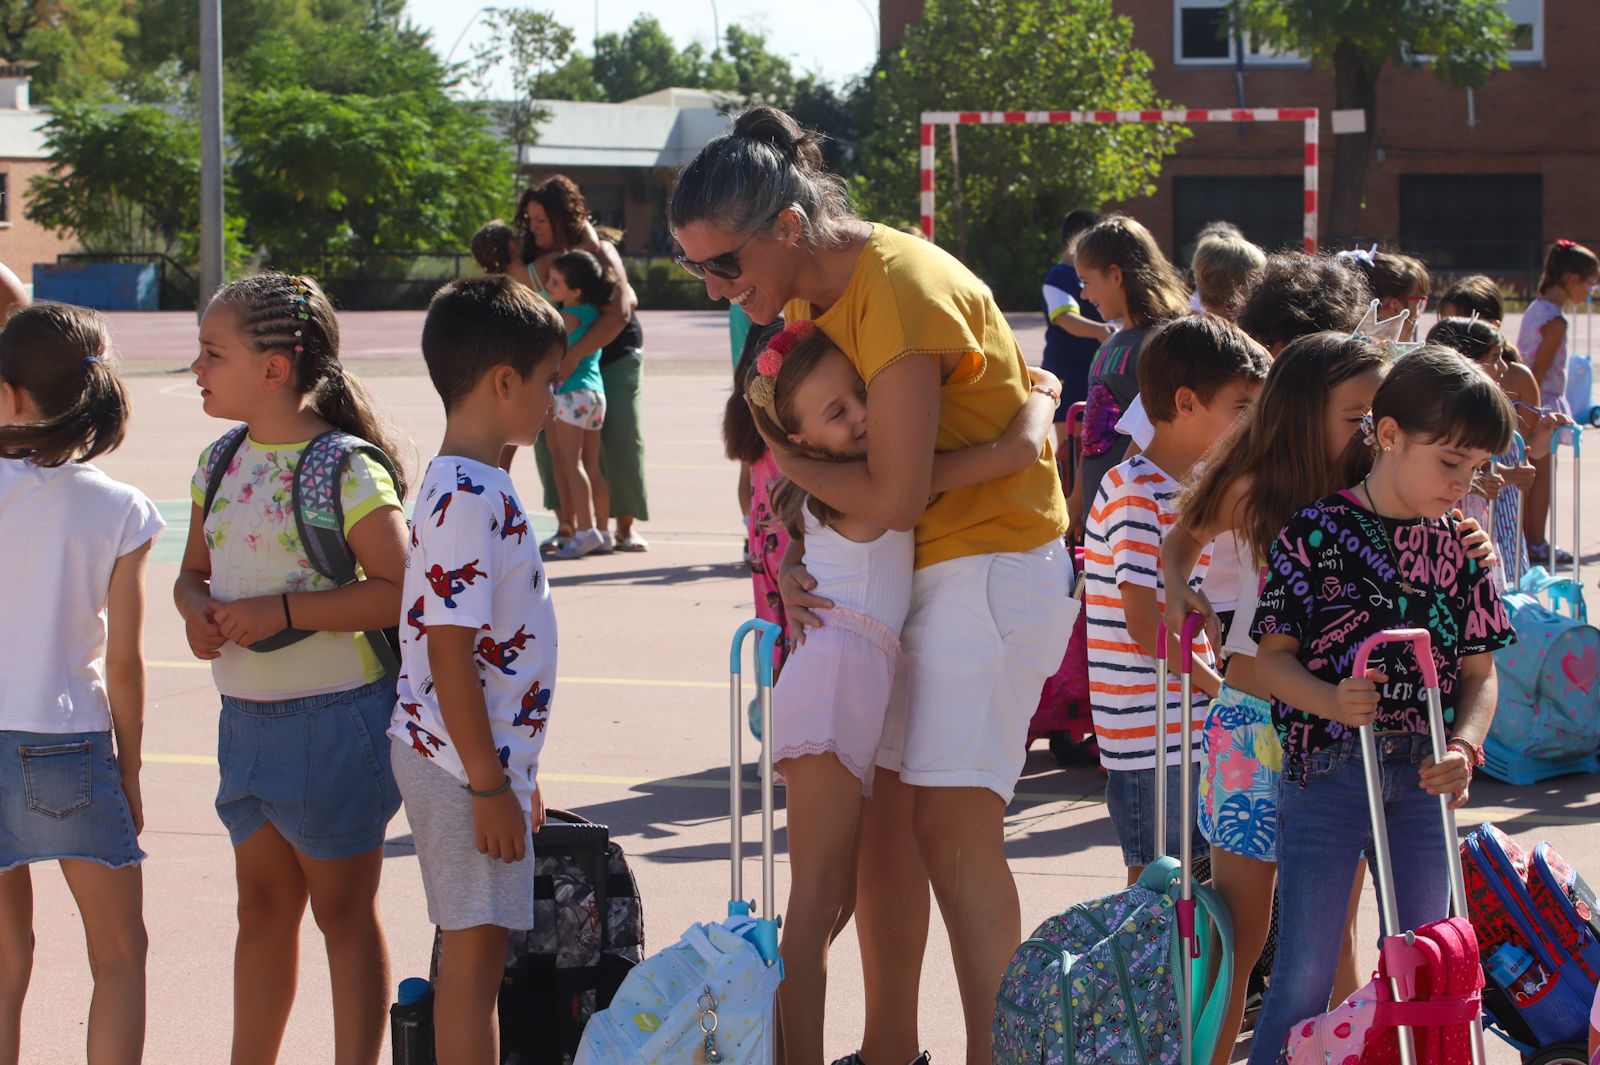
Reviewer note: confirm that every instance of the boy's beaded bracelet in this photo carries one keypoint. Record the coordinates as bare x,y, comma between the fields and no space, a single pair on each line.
1045,391
504,786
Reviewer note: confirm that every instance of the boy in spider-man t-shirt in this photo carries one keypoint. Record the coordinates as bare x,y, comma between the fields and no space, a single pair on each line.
478,648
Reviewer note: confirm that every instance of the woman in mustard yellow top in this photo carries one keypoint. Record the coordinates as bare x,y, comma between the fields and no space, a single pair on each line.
767,227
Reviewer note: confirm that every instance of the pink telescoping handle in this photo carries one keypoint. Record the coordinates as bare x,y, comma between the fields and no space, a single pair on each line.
1192,623
1398,951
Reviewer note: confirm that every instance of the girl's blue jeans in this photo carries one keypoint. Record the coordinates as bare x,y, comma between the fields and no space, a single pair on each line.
1323,831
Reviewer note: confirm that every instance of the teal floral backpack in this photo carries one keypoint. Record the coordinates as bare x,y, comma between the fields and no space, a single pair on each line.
1095,985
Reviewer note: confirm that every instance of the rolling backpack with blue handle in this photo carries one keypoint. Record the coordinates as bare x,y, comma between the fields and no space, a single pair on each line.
712,996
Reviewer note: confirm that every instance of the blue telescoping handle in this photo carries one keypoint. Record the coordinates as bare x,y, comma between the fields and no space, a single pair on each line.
763,931
1575,432
766,644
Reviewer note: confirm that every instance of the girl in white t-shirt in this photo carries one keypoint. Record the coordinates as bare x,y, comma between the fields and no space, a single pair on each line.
72,696
306,787
836,717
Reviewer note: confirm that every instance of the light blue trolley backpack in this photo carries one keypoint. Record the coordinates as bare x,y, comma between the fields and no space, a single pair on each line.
712,996
1106,982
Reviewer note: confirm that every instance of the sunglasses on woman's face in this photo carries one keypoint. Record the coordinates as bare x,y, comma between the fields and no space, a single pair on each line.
725,266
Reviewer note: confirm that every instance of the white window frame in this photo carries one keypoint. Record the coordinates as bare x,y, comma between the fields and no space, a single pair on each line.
1527,12
1282,59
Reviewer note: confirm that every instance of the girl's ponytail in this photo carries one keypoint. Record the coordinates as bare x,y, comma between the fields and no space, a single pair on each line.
1567,257
60,356
291,315
344,403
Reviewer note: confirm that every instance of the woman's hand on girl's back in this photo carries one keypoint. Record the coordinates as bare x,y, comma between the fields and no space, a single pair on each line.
795,586
244,621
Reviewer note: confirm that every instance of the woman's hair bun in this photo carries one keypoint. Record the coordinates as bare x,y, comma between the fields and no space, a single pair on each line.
775,128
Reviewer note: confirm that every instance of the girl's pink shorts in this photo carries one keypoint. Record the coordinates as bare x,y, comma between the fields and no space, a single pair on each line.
836,692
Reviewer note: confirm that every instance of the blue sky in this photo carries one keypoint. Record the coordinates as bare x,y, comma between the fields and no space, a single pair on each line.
837,38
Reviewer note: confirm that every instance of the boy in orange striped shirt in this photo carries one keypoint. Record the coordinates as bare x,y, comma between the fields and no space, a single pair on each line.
1197,375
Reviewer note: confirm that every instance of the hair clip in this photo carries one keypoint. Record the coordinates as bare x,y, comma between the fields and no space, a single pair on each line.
1564,243
1369,435
762,389
1363,257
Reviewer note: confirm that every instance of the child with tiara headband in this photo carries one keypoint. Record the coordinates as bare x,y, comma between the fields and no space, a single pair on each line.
834,717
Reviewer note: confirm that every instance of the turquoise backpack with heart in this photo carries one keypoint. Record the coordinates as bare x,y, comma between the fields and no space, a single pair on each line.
1550,678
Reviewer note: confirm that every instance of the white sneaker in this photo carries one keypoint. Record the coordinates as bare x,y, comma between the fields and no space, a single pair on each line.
608,543
585,542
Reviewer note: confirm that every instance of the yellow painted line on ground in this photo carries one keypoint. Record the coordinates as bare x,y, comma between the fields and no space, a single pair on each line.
615,682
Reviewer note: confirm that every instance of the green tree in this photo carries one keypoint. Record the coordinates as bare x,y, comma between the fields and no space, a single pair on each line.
350,145
78,46
758,73
574,80
1466,40
169,30
120,181
643,60
530,46
1015,182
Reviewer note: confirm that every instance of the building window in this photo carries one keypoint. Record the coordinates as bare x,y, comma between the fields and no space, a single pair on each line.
1270,209
1527,35
1202,36
5,197
1483,222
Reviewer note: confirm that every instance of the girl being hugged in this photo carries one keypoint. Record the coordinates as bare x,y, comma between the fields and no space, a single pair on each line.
832,724
72,705
580,287
1128,280
306,789
1286,451
1383,553
1570,273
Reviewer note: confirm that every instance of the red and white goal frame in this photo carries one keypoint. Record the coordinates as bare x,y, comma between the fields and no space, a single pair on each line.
1309,117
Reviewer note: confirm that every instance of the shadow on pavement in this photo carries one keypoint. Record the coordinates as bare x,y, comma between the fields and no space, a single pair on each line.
665,576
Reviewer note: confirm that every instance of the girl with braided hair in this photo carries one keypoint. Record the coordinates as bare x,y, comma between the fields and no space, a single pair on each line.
306,790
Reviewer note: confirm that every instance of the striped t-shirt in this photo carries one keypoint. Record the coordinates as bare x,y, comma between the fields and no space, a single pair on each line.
1133,510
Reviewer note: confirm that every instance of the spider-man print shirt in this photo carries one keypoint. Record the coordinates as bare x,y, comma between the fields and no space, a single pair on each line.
474,564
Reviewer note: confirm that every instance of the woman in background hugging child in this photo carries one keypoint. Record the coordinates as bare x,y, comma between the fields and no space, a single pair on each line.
580,286
306,789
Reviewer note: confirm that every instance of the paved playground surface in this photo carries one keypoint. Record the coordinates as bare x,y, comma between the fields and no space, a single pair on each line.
639,737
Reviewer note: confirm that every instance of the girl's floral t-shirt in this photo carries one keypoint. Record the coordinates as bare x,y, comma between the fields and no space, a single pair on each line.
255,550
1336,578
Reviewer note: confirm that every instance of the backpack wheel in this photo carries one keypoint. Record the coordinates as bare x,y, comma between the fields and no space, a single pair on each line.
1562,1054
